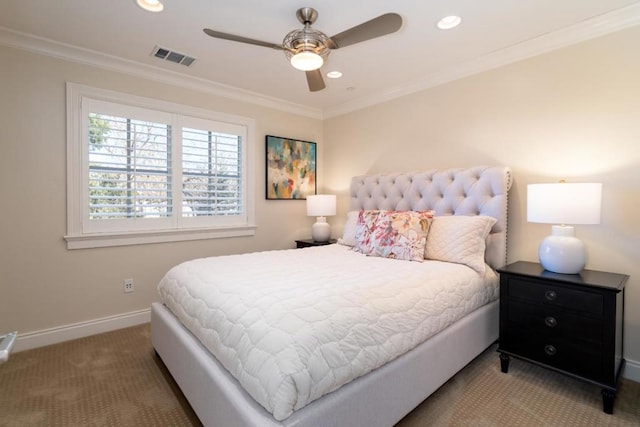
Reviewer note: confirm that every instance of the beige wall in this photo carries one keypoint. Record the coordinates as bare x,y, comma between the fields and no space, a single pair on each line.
573,114
42,284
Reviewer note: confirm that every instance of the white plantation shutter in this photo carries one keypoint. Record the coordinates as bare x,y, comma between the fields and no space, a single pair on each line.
142,169
128,174
212,169
130,171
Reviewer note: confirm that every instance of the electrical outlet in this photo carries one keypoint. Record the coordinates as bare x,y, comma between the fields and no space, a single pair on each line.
128,285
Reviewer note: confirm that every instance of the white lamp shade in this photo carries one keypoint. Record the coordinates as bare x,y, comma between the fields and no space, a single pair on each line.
321,205
564,203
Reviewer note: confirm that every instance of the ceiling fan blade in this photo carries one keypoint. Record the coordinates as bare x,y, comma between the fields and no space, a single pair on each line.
314,80
380,26
234,38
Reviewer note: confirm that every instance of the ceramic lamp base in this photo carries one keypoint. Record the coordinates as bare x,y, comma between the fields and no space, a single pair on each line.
562,252
321,230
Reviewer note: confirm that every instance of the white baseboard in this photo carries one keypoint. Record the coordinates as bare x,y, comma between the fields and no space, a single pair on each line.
79,330
632,371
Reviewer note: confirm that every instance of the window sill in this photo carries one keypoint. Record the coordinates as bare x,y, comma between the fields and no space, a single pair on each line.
102,240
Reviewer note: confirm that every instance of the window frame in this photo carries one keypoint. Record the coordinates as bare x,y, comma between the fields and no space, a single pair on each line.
177,229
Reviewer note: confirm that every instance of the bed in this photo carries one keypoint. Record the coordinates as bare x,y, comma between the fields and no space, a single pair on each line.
365,373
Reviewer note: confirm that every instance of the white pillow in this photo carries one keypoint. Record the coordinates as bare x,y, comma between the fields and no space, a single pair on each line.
349,233
459,239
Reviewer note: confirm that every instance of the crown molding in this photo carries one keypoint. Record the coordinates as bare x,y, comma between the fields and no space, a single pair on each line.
67,52
598,26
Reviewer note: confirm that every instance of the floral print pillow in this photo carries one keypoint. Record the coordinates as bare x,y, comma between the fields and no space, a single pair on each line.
393,234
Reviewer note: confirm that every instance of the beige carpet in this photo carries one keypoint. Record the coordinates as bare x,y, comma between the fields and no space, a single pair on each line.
114,379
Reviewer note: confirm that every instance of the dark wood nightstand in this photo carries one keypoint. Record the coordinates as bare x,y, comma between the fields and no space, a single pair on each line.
571,323
305,243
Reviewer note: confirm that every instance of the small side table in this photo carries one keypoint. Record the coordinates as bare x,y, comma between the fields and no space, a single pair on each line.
306,243
570,323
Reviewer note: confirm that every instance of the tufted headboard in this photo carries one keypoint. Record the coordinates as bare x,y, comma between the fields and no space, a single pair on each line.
479,190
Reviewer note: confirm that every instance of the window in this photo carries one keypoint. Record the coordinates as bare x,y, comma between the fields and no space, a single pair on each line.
142,171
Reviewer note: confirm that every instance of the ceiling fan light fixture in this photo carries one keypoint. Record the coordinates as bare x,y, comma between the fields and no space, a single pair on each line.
151,5
306,61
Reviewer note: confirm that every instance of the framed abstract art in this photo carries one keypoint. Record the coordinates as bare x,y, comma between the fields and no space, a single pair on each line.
291,168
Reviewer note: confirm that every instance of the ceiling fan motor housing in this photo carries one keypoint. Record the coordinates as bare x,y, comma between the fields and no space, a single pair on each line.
306,40
307,15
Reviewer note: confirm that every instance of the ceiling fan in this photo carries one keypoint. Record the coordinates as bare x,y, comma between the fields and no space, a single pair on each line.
308,48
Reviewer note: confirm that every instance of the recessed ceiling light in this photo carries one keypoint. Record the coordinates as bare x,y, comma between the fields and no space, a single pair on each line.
150,5
334,74
449,22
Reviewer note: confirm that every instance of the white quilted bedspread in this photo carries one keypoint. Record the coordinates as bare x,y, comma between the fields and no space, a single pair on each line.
296,324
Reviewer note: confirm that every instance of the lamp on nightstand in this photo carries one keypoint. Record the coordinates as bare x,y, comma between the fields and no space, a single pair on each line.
321,206
563,203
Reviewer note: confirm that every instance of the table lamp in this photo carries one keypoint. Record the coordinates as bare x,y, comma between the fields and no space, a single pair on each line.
563,203
321,206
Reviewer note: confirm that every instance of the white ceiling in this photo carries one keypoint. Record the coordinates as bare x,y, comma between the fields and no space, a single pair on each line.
417,56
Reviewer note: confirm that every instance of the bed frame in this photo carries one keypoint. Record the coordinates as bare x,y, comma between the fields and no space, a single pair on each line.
384,396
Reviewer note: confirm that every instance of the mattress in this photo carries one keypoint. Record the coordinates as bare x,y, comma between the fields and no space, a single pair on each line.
293,325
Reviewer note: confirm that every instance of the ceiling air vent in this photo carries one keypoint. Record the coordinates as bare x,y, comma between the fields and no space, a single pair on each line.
171,56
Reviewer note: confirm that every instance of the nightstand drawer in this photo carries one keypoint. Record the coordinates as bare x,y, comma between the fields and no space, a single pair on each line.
552,322
550,294
578,359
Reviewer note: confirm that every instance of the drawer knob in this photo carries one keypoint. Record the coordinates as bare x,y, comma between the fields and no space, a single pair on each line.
550,350
551,295
550,321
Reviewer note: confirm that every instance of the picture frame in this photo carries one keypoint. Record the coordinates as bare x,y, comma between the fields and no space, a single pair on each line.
290,168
